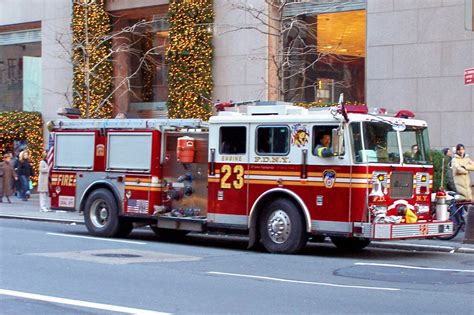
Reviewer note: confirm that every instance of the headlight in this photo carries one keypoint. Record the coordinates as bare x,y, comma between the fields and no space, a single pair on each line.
423,209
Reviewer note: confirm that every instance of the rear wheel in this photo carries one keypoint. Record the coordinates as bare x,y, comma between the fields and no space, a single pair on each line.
349,243
101,215
282,228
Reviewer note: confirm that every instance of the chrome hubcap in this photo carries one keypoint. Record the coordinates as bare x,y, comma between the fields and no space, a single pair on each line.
99,214
279,226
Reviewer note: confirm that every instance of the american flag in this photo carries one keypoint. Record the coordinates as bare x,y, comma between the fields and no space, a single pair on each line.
137,206
50,160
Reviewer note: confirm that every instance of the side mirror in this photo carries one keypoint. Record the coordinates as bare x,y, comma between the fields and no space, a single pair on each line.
337,140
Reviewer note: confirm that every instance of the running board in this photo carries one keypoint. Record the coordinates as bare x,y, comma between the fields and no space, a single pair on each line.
182,223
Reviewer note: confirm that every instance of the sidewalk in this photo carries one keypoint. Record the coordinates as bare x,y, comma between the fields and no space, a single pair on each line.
29,210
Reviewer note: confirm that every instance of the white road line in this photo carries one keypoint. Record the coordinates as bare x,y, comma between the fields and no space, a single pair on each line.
97,238
52,299
412,267
301,282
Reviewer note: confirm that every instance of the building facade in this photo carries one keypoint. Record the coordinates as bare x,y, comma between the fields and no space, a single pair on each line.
385,53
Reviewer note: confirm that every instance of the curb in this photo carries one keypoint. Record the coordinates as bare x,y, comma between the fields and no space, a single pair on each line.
32,218
374,244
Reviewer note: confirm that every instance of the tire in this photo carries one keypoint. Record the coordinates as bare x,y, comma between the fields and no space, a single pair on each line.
125,228
168,234
101,214
350,243
282,228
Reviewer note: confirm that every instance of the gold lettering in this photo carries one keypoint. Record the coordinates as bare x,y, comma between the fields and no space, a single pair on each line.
257,159
275,159
421,198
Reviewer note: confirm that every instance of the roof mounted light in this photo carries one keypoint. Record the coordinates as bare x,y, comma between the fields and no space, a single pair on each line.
356,109
404,114
71,113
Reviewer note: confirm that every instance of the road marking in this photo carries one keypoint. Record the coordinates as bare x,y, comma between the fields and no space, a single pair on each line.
100,306
97,238
301,282
412,267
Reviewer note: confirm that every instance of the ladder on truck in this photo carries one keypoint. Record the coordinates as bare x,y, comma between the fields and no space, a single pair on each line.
129,124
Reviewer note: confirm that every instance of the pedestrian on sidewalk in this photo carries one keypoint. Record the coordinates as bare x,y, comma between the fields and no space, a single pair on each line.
449,173
462,165
24,171
43,184
8,177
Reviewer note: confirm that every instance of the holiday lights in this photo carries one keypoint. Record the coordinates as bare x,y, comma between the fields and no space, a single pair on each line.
189,57
92,68
23,126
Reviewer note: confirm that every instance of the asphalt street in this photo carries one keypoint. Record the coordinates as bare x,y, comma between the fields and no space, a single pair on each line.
56,268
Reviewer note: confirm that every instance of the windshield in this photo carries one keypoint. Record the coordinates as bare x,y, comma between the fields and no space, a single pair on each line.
377,142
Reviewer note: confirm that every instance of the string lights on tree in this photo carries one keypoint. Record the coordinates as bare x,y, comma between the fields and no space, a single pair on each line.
92,69
189,57
28,126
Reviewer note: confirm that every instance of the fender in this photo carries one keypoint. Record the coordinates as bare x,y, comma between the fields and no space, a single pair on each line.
105,184
285,191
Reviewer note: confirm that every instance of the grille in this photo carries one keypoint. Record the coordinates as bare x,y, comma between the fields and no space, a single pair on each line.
401,185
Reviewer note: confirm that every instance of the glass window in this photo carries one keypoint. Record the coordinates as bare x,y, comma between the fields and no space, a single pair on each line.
233,140
20,77
324,55
273,140
415,145
380,144
322,137
141,71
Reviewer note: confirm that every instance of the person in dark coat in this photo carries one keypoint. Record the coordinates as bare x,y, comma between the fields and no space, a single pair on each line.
7,179
24,171
449,173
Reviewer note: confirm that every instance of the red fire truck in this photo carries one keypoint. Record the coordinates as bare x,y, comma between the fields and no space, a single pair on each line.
251,169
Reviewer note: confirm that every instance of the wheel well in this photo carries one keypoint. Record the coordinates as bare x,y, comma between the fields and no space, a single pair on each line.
96,186
257,210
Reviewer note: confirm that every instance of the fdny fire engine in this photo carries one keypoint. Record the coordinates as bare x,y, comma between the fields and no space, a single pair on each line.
253,169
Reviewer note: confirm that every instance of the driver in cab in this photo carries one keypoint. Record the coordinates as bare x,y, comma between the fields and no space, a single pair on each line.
323,149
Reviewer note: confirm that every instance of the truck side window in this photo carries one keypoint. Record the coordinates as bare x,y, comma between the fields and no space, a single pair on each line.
320,132
233,140
273,140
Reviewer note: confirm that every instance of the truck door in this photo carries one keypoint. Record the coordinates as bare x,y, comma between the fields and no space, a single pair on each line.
228,188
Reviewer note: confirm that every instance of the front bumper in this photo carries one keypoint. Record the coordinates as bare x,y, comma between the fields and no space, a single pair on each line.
387,231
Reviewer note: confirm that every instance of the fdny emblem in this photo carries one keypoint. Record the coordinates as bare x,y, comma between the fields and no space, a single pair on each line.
329,177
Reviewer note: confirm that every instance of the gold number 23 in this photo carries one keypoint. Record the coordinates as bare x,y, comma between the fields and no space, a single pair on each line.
226,171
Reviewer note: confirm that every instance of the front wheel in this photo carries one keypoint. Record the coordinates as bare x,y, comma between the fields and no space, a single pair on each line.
282,228
101,215
349,243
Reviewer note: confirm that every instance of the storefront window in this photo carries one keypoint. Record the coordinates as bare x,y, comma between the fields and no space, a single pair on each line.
328,58
20,74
